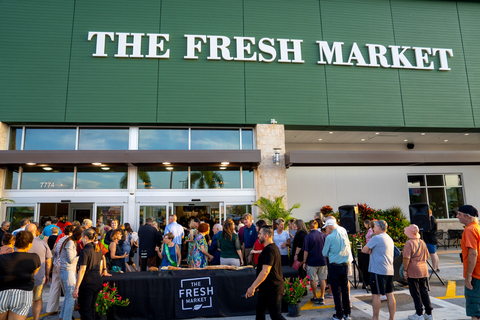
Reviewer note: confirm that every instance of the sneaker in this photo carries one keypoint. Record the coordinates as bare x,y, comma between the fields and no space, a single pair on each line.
314,300
347,317
428,317
335,317
328,295
383,297
415,316
438,270
320,301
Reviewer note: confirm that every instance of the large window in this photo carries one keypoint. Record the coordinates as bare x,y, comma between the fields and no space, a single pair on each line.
11,179
15,139
102,178
162,178
163,139
443,192
110,212
50,139
103,139
214,177
47,178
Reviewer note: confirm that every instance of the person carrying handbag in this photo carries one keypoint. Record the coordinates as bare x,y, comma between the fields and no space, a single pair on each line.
415,255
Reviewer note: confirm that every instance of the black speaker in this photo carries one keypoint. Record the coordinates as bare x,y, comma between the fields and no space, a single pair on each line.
419,216
349,219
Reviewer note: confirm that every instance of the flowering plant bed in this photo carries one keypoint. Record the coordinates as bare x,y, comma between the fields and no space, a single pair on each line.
109,297
294,290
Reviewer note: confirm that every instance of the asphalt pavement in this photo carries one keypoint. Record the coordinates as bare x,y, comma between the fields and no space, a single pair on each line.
447,300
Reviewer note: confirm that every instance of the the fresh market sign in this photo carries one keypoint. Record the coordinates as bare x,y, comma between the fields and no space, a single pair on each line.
289,48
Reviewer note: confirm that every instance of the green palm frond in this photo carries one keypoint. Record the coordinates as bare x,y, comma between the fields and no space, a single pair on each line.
274,209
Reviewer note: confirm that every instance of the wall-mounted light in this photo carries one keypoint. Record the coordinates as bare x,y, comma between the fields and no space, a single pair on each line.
276,156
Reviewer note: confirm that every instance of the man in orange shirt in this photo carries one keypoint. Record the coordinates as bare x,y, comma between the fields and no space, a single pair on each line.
468,215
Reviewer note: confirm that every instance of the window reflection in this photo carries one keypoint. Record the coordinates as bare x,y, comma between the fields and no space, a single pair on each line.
163,139
247,175
161,178
11,179
101,178
206,178
110,212
38,178
247,139
158,213
50,139
203,139
16,214
15,142
103,139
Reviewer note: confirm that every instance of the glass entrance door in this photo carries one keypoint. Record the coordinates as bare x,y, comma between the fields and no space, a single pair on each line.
15,214
157,212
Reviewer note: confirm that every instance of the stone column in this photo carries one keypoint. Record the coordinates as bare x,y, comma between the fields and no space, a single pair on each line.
271,179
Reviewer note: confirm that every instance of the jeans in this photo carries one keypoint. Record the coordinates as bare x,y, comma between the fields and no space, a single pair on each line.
68,280
338,277
272,301
419,290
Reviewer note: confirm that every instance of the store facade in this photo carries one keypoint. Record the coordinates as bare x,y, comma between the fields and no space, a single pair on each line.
163,92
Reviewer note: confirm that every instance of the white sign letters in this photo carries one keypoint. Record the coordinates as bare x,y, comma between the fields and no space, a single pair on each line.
287,51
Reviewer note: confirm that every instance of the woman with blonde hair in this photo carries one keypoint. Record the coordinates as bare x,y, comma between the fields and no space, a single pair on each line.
191,240
170,251
229,245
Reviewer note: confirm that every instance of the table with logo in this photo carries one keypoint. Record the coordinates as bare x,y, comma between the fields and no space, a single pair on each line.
186,293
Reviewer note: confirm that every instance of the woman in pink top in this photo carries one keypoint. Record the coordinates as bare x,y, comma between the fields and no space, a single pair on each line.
369,225
415,255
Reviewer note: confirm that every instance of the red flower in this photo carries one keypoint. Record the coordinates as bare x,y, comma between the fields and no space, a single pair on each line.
311,289
105,284
112,300
119,298
291,289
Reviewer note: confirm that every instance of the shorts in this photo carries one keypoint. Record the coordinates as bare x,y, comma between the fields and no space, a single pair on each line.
321,272
37,292
16,301
432,248
473,299
381,284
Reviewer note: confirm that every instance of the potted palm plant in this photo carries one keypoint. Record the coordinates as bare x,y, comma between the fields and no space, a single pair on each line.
274,209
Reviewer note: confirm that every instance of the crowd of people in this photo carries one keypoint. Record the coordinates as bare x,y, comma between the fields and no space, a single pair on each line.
72,257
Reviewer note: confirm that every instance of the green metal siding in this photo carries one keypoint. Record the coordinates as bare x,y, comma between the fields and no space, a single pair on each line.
361,96
289,93
201,91
48,73
432,98
35,39
469,15
112,89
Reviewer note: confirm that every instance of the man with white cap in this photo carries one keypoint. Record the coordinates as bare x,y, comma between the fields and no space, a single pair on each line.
337,250
468,215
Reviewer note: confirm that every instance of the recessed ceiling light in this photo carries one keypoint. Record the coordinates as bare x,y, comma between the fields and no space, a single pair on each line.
423,133
165,162
169,168
405,140
363,139
377,132
320,139
331,132
47,168
445,140
30,163
225,163
105,168
467,134
97,163
223,168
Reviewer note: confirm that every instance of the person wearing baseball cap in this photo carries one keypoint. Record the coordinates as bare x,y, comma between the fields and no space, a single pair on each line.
468,215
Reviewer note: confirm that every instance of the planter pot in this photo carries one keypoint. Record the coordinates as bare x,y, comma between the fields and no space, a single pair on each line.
100,317
294,310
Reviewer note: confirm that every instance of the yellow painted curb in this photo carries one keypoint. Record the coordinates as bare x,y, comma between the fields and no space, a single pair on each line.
312,306
450,294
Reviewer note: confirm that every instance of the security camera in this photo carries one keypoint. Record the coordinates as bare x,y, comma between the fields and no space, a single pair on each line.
410,146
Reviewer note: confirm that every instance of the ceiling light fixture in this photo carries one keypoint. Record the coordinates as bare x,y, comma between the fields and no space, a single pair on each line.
97,163
320,139
223,168
467,134
30,163
47,168
363,139
377,132
331,132
423,133
445,140
169,168
405,140
105,168
225,163
166,163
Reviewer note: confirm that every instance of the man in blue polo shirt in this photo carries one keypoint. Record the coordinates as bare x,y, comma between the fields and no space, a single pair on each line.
249,237
313,260
176,229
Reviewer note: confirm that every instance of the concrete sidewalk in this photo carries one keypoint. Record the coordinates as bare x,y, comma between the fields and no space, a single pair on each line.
447,305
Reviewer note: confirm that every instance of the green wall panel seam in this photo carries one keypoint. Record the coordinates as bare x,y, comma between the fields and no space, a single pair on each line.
69,61
398,70
158,64
326,82
244,69
465,61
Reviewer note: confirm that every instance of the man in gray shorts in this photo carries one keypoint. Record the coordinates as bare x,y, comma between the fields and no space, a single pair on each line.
313,260
380,248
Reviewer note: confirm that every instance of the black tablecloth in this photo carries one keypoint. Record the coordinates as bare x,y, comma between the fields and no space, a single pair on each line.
151,294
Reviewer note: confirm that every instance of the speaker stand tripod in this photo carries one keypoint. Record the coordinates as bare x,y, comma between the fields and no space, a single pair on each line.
355,283
434,271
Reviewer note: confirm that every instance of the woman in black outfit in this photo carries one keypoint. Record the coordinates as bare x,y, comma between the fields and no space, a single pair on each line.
89,279
301,232
117,255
